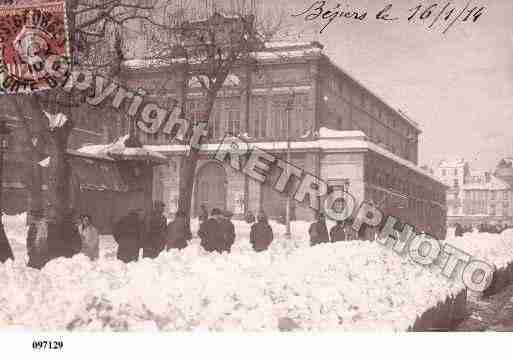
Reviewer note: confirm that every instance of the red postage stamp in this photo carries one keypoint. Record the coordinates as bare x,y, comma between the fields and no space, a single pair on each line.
33,39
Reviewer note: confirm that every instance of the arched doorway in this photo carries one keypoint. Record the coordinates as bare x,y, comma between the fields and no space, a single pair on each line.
210,187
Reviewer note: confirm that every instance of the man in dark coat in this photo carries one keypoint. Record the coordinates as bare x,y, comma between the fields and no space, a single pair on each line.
177,232
211,232
337,232
154,240
261,234
349,233
458,231
5,248
204,213
127,234
318,231
228,231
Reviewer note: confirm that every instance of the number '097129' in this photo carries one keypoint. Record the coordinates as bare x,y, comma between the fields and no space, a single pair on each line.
47,345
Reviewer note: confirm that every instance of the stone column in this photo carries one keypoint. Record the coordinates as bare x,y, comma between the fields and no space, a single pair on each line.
315,95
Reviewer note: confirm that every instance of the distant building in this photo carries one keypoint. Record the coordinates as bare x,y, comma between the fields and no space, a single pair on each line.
476,197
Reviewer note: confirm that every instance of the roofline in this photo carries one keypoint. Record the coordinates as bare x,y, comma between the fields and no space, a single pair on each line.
397,112
304,46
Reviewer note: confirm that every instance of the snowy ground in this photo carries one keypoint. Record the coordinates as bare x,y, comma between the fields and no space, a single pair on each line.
343,286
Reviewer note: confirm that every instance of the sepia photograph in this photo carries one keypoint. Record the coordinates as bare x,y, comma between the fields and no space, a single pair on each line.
295,170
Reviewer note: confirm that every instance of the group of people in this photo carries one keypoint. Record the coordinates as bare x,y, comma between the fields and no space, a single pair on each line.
341,231
151,234
217,231
77,231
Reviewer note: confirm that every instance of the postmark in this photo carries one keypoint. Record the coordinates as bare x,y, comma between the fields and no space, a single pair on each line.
30,36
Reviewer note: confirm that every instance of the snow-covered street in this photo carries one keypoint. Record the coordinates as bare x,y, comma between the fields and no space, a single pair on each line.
344,286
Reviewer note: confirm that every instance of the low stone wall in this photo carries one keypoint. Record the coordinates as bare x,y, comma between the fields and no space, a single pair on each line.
445,316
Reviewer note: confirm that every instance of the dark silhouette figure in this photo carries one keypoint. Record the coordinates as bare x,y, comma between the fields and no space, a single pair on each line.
228,231
261,234
204,213
155,231
318,231
338,232
127,233
211,232
5,248
177,232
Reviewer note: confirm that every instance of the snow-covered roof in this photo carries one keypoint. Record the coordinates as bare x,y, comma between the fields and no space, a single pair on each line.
118,150
283,50
328,141
455,162
280,44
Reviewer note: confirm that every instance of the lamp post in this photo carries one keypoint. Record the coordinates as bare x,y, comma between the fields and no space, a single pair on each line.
4,145
288,109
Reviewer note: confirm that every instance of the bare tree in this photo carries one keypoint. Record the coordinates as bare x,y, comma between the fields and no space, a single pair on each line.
209,49
90,22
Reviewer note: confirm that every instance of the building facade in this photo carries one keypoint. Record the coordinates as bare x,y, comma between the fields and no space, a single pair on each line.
340,131
475,197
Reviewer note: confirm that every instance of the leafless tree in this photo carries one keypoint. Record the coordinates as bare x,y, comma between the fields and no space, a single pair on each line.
209,45
90,24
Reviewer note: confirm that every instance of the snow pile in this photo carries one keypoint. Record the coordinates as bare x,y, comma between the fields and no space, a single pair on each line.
343,286
495,249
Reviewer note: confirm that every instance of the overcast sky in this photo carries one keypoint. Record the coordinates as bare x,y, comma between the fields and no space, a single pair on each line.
457,86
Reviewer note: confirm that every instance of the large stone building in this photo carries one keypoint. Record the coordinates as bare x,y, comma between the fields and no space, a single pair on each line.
340,131
476,197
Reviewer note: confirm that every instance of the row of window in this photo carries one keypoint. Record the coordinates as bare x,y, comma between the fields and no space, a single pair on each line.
395,183
226,117
483,195
481,207
446,172
367,103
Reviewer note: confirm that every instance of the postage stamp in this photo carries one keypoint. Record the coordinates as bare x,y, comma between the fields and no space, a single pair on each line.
30,36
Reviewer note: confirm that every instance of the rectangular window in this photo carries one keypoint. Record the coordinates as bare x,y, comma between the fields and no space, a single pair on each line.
493,195
505,195
217,125
234,122
256,125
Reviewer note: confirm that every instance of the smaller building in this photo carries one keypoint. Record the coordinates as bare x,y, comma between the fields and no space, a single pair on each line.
477,197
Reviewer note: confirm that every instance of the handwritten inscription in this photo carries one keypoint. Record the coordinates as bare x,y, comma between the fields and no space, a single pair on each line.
445,14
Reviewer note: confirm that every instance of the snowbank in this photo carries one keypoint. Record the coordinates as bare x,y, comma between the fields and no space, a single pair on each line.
343,286
495,249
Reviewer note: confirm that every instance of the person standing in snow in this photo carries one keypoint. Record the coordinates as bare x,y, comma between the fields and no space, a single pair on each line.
228,230
318,231
211,232
177,232
37,235
261,234
337,232
90,238
5,249
349,232
204,213
128,233
155,231
458,231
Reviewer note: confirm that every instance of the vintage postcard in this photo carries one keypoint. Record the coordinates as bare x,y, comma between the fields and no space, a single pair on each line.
256,166
33,35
